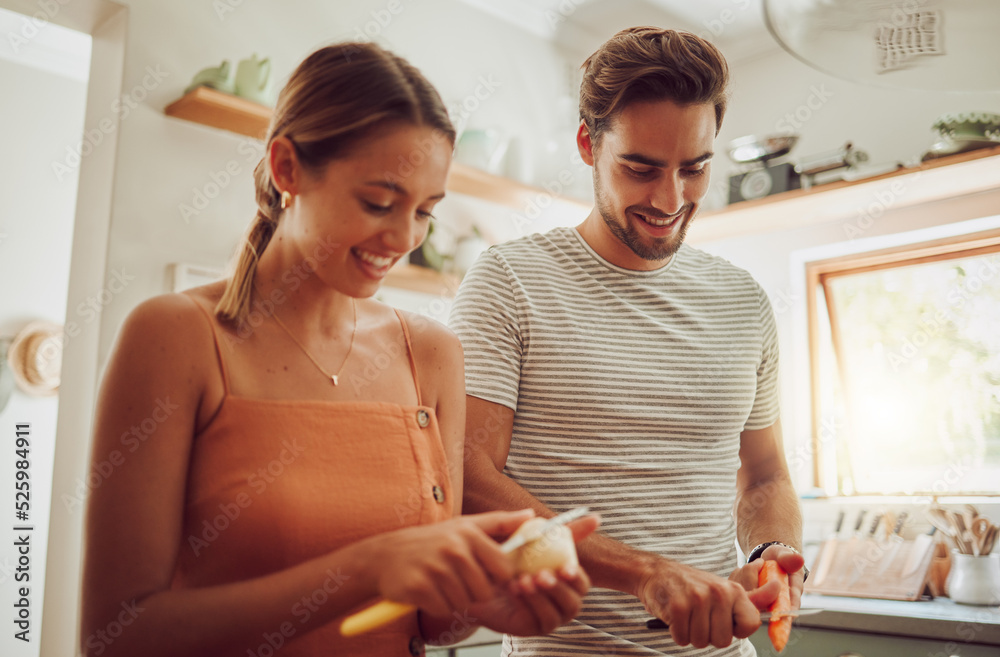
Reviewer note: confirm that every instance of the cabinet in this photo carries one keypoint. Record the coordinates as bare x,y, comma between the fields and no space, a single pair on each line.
819,642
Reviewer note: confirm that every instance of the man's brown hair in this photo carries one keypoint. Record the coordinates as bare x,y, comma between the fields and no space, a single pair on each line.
650,63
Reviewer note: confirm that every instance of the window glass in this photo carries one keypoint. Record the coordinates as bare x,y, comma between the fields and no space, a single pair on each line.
910,376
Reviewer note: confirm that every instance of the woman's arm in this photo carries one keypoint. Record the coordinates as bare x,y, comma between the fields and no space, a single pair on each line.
147,413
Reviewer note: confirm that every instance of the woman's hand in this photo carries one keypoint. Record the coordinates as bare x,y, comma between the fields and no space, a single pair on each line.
523,605
535,604
446,566
532,605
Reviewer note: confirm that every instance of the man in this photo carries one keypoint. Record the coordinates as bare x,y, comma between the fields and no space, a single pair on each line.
613,366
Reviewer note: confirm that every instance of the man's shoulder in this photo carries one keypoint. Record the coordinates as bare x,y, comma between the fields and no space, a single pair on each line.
710,266
555,241
535,250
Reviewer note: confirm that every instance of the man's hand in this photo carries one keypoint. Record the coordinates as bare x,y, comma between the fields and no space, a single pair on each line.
702,608
791,562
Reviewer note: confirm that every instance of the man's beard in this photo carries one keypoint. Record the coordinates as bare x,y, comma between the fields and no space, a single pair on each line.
627,234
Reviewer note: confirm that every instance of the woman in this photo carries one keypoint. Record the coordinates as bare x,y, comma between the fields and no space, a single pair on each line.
289,449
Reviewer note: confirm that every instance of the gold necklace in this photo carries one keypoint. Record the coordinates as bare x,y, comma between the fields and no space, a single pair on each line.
335,378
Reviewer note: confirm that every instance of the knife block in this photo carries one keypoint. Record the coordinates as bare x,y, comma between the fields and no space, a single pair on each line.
891,569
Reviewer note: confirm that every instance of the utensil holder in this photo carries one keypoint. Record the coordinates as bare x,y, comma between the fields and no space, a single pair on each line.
974,580
937,580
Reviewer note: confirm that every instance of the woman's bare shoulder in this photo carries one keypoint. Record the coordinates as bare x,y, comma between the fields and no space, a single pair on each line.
431,339
439,358
169,326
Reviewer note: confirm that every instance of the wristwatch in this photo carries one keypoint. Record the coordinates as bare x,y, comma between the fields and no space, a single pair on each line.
759,550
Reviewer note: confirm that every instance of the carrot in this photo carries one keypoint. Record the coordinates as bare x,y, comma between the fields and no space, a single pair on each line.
780,626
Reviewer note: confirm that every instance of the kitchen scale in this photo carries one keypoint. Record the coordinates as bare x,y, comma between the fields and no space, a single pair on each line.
763,175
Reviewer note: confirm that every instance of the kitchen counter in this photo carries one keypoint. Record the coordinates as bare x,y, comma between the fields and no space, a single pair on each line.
957,626
939,619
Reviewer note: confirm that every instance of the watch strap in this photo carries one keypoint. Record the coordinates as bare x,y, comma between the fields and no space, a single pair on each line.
759,550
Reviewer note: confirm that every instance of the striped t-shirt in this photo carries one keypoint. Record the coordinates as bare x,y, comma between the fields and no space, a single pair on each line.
630,390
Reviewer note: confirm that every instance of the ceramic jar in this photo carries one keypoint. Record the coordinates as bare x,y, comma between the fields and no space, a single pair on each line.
974,580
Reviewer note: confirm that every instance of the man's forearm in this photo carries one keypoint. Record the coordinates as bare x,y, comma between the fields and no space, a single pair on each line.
609,563
769,511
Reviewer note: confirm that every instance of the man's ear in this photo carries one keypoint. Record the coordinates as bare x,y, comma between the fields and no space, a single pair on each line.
584,144
284,165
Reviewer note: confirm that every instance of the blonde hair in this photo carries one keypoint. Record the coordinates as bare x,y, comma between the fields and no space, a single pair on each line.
333,101
650,63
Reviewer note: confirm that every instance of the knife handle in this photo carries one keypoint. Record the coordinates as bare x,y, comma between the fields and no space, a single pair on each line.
859,521
875,523
374,617
840,522
900,521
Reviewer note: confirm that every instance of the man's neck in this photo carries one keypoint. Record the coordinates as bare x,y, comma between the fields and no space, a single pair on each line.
606,244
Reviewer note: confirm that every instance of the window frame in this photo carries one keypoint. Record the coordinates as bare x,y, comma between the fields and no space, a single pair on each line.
819,272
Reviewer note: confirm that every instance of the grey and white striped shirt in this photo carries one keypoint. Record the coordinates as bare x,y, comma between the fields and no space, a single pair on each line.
630,391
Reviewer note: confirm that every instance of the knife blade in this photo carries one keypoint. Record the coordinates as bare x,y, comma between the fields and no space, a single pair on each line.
857,535
386,611
556,521
658,624
828,551
861,565
897,540
918,551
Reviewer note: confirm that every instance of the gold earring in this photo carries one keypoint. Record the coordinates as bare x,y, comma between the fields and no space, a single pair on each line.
286,199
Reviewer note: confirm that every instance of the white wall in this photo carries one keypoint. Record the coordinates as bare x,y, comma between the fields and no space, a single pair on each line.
41,114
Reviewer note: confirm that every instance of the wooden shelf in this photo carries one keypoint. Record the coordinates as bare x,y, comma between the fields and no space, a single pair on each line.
221,110
467,180
963,174
227,112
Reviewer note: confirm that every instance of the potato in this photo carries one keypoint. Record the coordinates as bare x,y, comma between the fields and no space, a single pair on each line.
553,549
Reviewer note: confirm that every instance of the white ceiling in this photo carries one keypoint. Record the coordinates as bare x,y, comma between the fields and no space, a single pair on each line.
735,26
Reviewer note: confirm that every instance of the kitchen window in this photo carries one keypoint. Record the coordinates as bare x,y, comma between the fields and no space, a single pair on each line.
905,369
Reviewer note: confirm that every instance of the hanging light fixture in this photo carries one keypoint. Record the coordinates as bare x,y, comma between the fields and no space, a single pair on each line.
933,45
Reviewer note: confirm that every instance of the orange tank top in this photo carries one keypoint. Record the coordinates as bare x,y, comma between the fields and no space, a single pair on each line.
273,483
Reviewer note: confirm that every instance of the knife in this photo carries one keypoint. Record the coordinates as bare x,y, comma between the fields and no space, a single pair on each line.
855,537
657,624
920,545
897,540
828,552
387,611
858,571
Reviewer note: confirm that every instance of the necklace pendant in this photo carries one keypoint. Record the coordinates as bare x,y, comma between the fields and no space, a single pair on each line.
335,379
